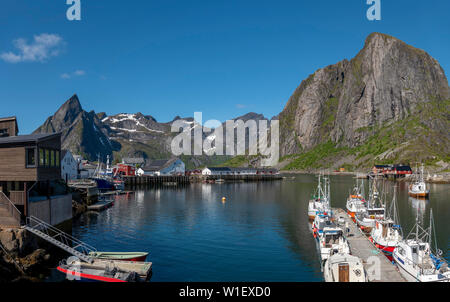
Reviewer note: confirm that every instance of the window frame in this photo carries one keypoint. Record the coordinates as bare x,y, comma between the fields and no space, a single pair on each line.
41,152
36,160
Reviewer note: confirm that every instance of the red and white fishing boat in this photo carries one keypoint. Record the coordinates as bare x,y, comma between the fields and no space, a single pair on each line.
387,232
375,211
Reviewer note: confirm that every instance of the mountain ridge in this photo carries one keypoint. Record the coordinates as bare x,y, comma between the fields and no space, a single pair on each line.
389,103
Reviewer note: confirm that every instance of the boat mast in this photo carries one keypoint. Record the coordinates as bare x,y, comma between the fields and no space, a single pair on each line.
319,187
431,227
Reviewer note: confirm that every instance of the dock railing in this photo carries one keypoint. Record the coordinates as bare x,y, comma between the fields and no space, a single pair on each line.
62,240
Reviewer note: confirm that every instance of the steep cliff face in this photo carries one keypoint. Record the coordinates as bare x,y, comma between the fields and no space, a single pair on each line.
82,132
121,135
388,85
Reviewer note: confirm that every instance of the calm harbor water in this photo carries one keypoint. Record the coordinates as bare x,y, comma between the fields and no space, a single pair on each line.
261,232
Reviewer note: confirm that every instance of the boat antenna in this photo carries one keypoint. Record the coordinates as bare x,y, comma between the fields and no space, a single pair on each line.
431,228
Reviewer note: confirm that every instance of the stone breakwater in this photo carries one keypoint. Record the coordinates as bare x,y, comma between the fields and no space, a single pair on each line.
21,257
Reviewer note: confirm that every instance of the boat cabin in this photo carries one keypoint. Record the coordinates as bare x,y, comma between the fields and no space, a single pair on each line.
379,212
331,236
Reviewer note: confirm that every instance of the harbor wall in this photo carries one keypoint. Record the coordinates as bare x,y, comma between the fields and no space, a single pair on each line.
54,211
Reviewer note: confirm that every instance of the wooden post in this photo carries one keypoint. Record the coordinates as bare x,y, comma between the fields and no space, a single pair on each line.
25,204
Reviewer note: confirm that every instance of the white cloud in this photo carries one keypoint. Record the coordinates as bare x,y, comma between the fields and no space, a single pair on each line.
240,106
42,48
79,72
76,73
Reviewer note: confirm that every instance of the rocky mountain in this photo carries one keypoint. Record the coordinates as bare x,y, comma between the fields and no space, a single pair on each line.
390,103
82,132
123,135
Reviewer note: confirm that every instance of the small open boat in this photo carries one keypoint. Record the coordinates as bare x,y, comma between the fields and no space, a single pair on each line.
106,270
120,256
96,274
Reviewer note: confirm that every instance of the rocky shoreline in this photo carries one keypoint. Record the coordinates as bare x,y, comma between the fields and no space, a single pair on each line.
25,257
21,257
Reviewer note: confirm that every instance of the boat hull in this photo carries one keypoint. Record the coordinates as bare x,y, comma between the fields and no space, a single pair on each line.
134,257
82,277
419,195
387,250
103,184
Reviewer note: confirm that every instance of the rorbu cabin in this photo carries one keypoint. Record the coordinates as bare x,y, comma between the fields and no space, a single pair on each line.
8,126
30,178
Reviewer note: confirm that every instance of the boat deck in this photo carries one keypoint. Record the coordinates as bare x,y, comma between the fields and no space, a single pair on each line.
361,247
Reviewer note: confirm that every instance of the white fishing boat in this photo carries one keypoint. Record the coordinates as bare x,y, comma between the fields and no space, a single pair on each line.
344,268
320,200
387,232
375,210
332,241
415,258
419,188
356,202
321,221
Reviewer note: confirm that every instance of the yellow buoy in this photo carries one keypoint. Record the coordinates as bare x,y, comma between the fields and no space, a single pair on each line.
224,199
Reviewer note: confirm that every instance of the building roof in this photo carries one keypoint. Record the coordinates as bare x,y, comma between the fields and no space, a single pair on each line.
133,160
243,169
64,152
32,138
219,169
158,165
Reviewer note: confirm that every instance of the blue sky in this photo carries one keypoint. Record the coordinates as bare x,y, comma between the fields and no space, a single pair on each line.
168,58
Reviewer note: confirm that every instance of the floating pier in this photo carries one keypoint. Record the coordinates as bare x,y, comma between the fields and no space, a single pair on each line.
362,247
101,205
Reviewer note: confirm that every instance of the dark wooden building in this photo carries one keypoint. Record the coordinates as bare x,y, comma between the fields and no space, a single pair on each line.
8,126
30,174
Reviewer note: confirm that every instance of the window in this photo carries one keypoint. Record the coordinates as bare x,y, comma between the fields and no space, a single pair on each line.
52,158
41,158
47,157
30,154
57,159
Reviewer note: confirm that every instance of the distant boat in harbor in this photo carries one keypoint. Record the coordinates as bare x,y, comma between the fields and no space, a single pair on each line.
418,188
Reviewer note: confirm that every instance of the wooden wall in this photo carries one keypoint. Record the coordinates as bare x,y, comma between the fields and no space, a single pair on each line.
10,126
13,168
12,165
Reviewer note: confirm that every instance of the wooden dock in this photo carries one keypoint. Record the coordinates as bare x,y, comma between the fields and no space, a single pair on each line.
101,205
362,247
147,180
